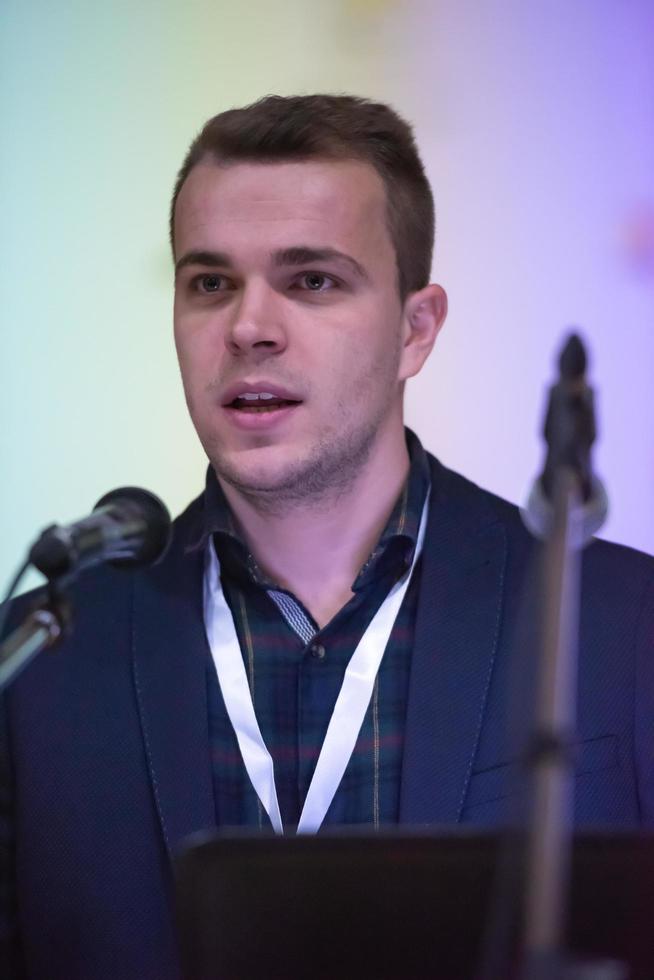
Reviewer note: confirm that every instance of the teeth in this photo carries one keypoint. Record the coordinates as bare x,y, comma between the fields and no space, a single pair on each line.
251,396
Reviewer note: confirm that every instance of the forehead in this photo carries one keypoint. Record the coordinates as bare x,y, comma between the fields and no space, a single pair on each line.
338,203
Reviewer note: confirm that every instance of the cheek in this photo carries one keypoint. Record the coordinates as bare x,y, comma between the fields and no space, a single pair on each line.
375,347
195,343
195,365
362,374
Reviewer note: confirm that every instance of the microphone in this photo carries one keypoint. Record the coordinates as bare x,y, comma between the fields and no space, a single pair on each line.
128,527
569,432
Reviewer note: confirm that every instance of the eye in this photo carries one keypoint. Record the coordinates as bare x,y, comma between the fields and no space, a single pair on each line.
209,283
316,282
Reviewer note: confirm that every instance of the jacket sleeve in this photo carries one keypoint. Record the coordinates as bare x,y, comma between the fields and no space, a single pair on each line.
11,960
644,706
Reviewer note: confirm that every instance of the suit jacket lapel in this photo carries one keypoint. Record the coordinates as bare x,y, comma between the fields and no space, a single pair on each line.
170,656
456,637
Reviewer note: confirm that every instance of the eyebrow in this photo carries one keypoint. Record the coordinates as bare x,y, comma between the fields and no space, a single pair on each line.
211,259
296,255
304,254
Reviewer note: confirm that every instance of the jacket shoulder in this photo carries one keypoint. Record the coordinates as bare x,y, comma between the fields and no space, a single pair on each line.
600,557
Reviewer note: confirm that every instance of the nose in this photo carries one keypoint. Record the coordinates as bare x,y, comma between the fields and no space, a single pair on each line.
256,323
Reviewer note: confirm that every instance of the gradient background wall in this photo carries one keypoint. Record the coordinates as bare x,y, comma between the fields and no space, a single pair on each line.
536,125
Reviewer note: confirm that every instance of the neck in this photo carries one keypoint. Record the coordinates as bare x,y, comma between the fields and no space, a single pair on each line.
316,551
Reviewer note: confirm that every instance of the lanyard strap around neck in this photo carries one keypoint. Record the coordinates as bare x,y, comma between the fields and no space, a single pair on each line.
349,711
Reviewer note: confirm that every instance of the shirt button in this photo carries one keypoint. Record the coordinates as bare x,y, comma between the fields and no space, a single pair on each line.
317,651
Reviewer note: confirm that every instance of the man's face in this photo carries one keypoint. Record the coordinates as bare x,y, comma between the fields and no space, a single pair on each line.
286,285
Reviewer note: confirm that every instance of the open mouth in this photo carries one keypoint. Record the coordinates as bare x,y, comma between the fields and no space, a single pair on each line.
260,402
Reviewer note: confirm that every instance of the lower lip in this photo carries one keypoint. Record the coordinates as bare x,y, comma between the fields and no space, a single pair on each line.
259,421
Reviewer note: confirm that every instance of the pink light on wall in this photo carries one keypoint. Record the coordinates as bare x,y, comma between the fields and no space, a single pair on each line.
638,240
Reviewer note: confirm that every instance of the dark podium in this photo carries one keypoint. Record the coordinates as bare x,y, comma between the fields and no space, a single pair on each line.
394,905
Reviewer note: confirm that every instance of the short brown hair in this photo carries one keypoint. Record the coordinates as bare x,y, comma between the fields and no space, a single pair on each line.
302,127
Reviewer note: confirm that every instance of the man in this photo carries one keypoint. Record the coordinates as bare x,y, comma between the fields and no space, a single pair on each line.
200,693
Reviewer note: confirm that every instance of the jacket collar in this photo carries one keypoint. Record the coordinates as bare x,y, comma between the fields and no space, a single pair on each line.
170,655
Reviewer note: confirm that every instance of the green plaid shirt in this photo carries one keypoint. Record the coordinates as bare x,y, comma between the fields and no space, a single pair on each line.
296,670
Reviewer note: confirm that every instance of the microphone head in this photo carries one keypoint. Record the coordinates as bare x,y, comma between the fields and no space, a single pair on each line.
51,553
573,359
146,506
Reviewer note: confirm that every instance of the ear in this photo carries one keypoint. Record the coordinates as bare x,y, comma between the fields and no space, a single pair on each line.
423,317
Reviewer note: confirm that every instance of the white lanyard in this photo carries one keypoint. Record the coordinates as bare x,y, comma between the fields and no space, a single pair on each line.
349,711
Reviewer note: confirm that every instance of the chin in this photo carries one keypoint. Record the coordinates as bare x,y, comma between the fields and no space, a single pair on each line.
258,471
304,471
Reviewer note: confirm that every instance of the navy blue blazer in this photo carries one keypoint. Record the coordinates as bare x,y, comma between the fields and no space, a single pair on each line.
106,758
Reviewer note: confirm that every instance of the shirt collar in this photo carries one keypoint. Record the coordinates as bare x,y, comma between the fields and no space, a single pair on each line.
394,550
396,546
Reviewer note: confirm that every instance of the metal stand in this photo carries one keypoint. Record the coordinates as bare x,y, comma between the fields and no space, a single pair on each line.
42,628
551,756
548,851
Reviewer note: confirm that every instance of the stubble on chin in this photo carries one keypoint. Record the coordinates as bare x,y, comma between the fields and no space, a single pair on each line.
315,481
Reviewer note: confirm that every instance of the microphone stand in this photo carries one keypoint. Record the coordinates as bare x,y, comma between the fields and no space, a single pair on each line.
41,629
567,506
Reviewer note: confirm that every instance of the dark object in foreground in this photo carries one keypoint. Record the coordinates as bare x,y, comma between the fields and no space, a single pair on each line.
393,905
